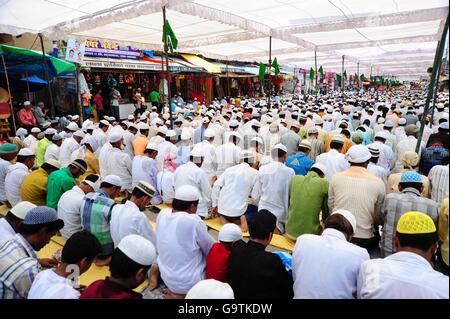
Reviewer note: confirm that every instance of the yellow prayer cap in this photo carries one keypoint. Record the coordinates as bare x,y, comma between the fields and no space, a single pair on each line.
415,223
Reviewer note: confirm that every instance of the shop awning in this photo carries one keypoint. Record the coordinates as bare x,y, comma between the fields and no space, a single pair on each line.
198,61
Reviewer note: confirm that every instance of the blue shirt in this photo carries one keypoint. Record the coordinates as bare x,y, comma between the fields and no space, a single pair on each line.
432,156
300,163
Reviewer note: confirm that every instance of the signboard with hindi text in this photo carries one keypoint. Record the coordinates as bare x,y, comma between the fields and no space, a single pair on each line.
107,49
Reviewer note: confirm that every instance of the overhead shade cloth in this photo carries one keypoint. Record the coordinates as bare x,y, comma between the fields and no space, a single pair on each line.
34,79
195,60
21,61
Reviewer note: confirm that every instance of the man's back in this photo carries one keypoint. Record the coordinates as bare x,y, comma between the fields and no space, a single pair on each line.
300,163
257,274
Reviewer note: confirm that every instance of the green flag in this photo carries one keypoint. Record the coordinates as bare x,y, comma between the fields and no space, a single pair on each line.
311,73
355,78
362,77
276,66
338,77
262,71
321,70
345,74
172,41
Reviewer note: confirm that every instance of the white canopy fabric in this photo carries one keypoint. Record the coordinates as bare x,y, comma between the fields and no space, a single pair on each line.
394,37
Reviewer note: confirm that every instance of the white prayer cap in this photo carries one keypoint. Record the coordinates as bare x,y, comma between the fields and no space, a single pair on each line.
111,118
229,233
131,117
146,188
388,124
380,120
152,146
115,137
167,122
295,124
209,133
313,130
56,137
21,132
402,121
233,123
50,131
21,209
257,139
205,120
256,123
79,133
305,143
166,116
247,154
138,249
237,134
95,186
280,147
171,133
26,103
73,126
162,129
358,154
35,130
158,121
113,180
348,216
132,125
318,121
104,122
25,152
210,289
53,162
338,138
197,151
321,167
185,135
75,117
143,126
382,134
187,193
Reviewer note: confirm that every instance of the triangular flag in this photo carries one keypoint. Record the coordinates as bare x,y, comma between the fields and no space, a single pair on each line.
321,70
362,77
338,77
262,71
345,74
276,66
311,73
172,41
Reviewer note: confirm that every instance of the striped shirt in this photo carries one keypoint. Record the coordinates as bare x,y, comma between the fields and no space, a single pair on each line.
395,205
439,182
18,268
96,215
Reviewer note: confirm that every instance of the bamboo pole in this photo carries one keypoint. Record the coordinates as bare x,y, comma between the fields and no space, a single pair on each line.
167,66
44,62
269,85
9,92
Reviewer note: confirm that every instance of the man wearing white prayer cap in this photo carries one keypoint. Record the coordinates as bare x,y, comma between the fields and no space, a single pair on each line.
191,174
11,223
129,266
227,155
129,218
386,158
232,190
69,146
360,192
167,146
31,140
16,173
182,260
274,181
329,256
210,289
217,259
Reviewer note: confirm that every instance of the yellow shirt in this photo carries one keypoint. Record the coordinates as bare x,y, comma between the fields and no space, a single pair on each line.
34,187
443,230
93,166
139,145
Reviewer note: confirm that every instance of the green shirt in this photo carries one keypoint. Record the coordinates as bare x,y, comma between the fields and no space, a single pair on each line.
154,96
40,151
303,132
59,182
309,195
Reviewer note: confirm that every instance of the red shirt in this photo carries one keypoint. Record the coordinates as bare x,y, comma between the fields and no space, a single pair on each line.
107,289
217,262
26,117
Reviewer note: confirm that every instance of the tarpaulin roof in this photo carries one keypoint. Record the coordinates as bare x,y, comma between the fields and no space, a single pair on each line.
196,60
23,61
394,37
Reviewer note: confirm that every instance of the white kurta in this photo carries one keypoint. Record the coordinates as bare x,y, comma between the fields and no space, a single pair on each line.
6,230
227,155
68,146
403,275
120,164
52,152
127,219
103,159
69,210
326,266
31,142
209,165
274,180
233,188
13,181
334,161
166,185
386,159
100,136
49,285
183,244
128,139
4,165
378,171
408,144
164,148
191,174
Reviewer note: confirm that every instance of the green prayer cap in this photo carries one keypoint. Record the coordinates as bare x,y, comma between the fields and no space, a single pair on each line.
8,148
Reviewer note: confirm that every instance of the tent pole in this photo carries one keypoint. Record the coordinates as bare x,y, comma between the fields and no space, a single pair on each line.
52,106
270,71
342,75
228,81
434,76
167,66
79,100
359,82
28,87
9,92
435,94
315,64
162,81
